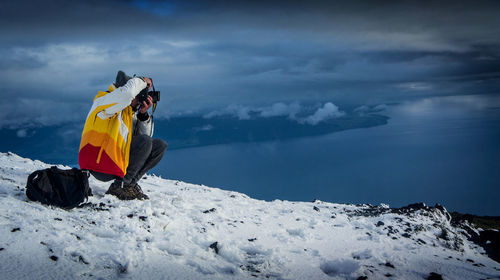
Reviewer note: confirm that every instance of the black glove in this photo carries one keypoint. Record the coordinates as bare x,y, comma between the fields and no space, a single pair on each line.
143,117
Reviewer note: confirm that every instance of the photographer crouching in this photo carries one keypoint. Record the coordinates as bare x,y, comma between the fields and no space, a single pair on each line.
117,141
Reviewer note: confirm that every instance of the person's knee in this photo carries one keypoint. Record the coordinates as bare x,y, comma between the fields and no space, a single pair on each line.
160,145
163,144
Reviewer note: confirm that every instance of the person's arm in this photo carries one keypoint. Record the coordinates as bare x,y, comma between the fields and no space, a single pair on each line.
144,126
144,121
120,98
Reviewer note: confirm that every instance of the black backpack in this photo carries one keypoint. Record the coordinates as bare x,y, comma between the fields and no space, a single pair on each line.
54,186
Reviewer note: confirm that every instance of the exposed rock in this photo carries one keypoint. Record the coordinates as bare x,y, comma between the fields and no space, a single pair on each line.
388,264
209,210
215,247
488,237
82,260
434,276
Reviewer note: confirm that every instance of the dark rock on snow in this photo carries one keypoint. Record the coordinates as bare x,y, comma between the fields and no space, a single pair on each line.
388,264
209,210
215,247
434,276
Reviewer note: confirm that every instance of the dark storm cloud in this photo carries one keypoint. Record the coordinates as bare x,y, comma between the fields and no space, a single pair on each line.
208,54
31,22
455,22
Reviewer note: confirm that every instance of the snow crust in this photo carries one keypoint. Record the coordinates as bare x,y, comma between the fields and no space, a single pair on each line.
188,231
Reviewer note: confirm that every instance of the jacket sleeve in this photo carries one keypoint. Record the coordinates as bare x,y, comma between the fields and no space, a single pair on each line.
143,127
120,98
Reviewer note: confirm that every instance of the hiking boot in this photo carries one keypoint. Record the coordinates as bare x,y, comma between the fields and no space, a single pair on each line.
138,192
122,193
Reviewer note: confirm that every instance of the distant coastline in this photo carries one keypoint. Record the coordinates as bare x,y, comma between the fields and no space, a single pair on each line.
59,143
188,132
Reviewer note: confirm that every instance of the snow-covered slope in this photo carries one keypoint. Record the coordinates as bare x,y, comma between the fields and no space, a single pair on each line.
190,231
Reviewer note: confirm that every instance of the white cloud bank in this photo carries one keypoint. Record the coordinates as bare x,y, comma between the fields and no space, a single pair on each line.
328,111
323,113
245,112
281,109
241,112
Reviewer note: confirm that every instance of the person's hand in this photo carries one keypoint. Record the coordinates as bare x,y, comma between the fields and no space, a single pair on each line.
146,105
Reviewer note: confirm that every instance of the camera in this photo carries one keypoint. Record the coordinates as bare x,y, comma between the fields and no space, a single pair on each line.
143,95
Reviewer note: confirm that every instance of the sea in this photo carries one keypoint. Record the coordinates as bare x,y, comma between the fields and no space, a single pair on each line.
441,150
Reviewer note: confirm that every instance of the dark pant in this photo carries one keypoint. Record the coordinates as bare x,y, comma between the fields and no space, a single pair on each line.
145,153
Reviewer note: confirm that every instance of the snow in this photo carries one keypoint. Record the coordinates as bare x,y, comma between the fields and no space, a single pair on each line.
188,231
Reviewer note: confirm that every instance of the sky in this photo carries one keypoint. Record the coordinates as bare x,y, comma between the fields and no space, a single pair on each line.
213,56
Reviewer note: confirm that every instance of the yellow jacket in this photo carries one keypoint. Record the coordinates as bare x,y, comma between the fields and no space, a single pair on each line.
106,137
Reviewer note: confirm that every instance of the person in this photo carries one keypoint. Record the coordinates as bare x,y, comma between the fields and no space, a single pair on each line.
117,141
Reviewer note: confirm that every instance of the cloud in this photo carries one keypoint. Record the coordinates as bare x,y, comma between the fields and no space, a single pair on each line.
380,107
207,127
23,113
365,109
443,107
328,111
361,109
415,86
244,112
76,67
21,133
294,111
437,26
239,111
281,109
247,112
301,51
